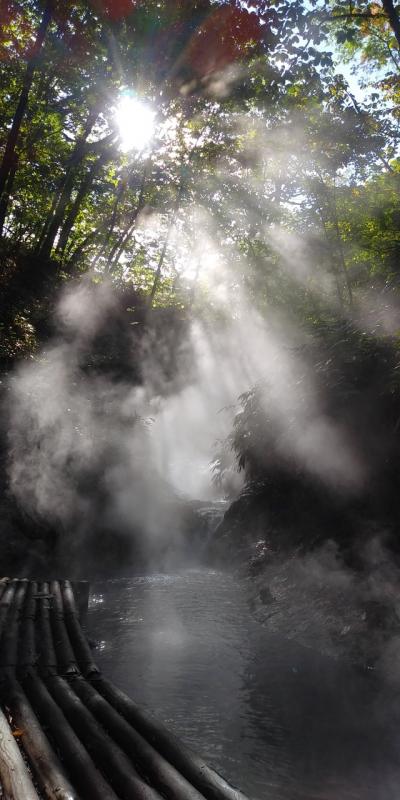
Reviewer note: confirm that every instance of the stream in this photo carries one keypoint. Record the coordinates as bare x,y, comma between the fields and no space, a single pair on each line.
278,720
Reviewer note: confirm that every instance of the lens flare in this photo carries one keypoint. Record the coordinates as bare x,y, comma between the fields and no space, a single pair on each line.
136,123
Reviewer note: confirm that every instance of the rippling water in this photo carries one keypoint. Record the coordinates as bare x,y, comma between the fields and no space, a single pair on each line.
276,719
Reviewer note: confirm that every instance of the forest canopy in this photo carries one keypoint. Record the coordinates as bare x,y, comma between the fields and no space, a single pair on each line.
151,142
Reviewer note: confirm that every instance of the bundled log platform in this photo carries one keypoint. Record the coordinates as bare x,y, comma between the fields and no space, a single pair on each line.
67,733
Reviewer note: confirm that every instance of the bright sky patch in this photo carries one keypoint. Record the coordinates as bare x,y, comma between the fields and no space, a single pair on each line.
136,123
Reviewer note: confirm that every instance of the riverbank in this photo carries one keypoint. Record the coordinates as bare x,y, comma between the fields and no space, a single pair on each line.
317,569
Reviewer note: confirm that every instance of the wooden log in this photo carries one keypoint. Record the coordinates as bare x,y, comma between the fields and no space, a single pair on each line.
44,636
9,639
6,602
57,603
84,774
15,781
3,585
77,638
114,763
153,767
26,649
44,763
212,785
65,655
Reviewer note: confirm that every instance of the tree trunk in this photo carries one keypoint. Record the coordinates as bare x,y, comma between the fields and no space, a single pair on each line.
5,198
73,258
118,197
84,189
118,248
57,216
9,157
164,250
62,193
331,215
393,18
343,262
321,219
160,263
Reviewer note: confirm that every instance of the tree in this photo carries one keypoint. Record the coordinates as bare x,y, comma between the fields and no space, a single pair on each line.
8,165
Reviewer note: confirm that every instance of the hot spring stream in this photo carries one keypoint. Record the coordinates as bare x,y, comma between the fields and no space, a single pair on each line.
276,719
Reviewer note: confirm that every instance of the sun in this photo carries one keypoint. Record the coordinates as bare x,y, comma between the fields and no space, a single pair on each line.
135,121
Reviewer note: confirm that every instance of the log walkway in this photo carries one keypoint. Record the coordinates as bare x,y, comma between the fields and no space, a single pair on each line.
66,732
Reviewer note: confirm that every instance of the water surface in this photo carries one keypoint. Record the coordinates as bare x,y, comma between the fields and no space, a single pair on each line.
278,720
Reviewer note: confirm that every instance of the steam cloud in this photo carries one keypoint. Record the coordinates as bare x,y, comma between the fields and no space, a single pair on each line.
89,450
74,432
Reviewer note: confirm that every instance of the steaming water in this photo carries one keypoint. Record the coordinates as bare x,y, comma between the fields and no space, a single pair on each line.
276,719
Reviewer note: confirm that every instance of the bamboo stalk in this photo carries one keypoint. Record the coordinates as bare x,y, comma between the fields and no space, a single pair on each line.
27,649
85,775
65,655
9,639
3,585
77,637
44,637
141,754
15,780
115,764
212,785
47,768
150,764
6,603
